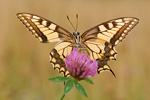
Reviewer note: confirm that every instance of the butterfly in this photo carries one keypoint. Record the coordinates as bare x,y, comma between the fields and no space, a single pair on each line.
98,42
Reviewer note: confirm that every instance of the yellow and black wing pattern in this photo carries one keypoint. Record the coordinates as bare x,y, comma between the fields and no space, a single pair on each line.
43,29
46,31
101,40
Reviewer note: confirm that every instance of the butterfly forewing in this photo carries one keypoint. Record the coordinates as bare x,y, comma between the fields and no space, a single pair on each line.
43,29
113,31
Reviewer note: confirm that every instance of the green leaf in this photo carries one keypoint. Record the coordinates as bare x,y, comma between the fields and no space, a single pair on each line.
68,86
80,88
89,81
58,79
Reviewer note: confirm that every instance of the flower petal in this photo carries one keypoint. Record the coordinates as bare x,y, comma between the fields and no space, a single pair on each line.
80,66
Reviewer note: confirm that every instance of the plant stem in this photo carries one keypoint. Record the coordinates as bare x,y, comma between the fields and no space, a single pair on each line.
62,97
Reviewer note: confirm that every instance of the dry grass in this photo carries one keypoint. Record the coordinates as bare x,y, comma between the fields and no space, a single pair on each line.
24,62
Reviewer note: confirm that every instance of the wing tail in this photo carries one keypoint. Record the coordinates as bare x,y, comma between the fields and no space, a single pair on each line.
103,66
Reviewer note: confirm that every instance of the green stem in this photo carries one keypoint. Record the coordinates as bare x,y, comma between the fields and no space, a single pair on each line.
62,97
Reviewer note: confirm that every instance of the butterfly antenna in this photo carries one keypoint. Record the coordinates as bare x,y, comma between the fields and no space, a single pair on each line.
77,22
70,22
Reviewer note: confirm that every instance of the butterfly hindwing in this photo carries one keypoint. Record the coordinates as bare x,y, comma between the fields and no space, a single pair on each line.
58,55
43,29
102,53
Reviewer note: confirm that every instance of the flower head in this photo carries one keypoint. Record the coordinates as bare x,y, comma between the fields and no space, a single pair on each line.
80,66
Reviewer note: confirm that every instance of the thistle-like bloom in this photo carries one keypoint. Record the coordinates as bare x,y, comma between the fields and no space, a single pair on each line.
80,66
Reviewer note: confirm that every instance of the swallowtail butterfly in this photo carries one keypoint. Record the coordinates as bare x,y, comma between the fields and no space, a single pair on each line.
98,42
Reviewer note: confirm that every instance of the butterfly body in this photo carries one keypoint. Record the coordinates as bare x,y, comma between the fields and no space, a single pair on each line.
98,42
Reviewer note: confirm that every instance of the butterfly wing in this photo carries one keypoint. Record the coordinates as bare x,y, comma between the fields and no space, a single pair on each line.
101,39
43,29
58,55
47,31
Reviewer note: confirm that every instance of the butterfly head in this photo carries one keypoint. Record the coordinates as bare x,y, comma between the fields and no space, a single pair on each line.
76,33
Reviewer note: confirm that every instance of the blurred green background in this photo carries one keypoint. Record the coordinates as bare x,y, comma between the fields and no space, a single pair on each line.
24,62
